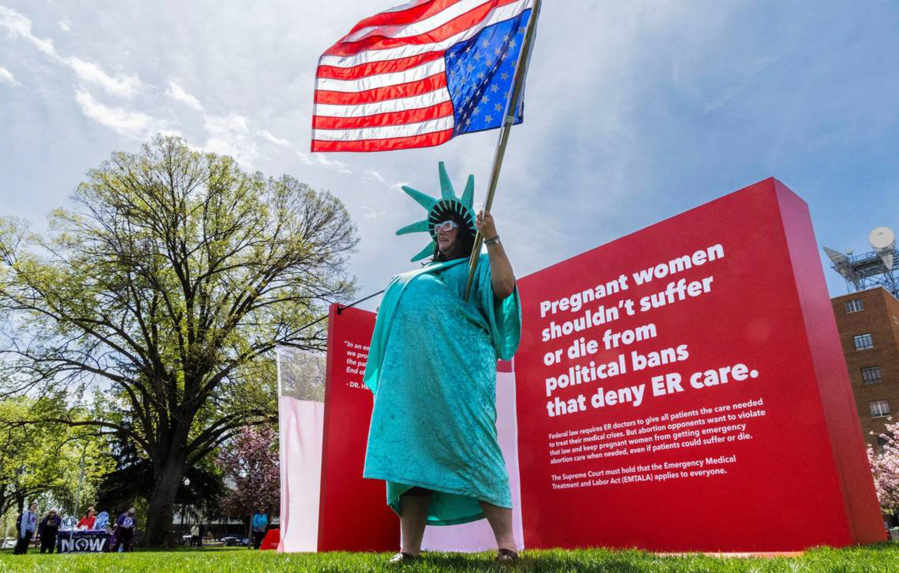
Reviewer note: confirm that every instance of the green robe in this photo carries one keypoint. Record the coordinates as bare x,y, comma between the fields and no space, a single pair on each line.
432,369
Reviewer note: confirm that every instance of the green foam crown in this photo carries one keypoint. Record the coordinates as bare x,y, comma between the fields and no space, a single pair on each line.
438,209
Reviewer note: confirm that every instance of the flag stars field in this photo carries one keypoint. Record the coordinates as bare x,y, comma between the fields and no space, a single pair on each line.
491,76
393,83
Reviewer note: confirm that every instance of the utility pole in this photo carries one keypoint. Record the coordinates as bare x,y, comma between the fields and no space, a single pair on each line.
80,480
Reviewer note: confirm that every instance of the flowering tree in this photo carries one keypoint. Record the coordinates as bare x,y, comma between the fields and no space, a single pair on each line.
252,471
885,466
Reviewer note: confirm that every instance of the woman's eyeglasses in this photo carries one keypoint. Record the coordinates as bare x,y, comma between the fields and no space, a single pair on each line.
446,226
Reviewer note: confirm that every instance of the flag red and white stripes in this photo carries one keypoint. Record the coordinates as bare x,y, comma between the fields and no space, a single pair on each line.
383,86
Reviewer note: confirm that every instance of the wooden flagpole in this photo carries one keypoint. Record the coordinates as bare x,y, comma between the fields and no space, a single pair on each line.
508,120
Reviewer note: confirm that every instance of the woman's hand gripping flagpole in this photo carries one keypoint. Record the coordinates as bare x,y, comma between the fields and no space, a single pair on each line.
508,120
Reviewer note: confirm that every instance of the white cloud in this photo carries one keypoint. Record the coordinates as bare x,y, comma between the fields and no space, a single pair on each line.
305,158
321,159
234,135
127,123
276,140
178,93
6,77
231,135
19,26
120,85
340,166
615,152
369,213
374,176
65,24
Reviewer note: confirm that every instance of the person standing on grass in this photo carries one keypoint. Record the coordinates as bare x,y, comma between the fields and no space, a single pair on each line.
195,535
202,535
125,531
260,522
47,531
432,370
26,526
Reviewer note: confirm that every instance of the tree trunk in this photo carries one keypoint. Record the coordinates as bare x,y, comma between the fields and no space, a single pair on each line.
159,531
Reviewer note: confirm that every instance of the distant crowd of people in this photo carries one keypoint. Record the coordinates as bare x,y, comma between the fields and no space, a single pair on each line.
30,527
258,527
46,530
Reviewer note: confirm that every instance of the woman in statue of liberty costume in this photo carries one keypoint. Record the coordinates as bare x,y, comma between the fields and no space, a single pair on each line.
432,369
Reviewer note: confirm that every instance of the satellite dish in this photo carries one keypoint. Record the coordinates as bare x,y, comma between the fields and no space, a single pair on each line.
882,239
835,257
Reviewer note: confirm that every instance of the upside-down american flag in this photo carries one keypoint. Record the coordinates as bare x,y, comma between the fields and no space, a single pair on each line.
419,74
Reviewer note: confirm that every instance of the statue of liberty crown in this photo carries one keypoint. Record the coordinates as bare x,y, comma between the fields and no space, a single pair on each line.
438,209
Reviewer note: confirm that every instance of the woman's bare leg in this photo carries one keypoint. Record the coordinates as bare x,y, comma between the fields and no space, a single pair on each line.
500,519
413,518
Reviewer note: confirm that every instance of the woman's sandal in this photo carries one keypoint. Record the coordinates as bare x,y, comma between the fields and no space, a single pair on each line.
508,557
403,558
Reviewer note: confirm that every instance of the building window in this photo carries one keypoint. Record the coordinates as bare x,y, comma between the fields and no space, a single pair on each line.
863,342
880,409
854,305
871,375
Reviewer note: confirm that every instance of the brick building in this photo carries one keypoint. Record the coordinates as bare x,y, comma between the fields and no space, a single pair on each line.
868,322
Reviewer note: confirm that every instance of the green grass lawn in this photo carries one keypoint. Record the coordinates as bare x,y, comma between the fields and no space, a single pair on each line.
875,558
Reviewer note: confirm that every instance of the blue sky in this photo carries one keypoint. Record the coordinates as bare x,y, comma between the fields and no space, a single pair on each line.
636,111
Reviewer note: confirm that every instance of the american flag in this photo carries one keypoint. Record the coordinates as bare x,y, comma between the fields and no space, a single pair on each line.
418,75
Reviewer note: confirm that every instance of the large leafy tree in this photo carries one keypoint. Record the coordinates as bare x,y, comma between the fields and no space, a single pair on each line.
45,459
131,481
167,289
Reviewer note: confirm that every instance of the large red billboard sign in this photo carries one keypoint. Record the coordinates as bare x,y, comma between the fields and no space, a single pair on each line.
679,389
353,515
683,388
